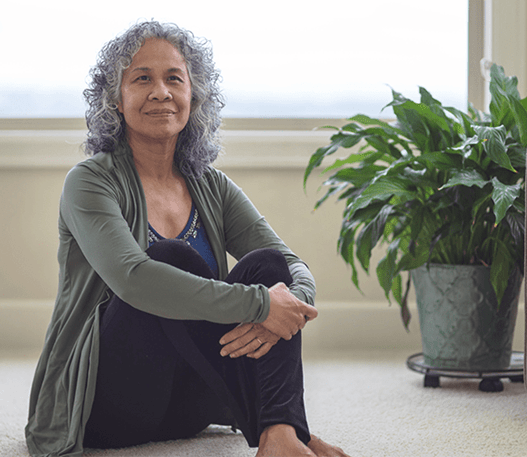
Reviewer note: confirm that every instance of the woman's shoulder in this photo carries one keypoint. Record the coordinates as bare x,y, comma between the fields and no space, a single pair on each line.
102,171
102,165
101,162
215,178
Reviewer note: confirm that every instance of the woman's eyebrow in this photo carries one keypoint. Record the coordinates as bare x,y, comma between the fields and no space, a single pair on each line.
170,70
176,70
141,69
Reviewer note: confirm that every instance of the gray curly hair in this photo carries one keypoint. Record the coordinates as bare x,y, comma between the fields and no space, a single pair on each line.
198,144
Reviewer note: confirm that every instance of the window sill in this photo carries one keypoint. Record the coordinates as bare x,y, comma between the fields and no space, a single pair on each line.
243,148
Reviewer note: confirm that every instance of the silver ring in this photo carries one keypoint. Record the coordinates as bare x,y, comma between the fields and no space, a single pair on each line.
259,341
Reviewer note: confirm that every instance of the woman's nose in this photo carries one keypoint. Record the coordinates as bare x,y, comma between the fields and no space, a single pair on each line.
160,91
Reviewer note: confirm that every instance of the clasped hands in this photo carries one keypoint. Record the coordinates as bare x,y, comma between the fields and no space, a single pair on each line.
287,315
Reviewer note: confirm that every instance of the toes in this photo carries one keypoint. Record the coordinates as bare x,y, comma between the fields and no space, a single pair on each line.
323,449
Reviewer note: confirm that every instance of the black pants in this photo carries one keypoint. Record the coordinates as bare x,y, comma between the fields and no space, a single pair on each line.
162,379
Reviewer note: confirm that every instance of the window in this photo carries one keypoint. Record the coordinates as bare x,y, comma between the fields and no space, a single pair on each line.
278,58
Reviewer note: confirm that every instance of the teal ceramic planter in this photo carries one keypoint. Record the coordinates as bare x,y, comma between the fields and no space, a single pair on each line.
461,325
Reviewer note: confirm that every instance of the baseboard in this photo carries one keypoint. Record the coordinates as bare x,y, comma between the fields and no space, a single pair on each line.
340,327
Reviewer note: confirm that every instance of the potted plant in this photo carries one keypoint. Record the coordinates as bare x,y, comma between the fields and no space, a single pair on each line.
440,188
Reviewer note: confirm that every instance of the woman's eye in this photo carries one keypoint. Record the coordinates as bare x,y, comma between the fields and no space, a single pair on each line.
175,78
142,78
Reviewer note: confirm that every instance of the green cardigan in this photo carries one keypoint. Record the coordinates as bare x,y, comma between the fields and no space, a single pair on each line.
103,230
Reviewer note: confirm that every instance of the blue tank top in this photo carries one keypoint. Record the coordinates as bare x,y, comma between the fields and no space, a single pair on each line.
195,235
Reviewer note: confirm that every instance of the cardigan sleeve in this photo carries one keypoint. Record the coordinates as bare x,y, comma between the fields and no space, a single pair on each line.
246,230
91,208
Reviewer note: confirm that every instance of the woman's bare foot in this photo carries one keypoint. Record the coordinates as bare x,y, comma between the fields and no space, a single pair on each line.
323,449
281,441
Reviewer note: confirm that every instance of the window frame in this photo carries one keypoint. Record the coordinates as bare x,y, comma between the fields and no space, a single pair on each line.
480,38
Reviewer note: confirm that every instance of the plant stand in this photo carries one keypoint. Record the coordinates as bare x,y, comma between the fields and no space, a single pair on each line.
490,380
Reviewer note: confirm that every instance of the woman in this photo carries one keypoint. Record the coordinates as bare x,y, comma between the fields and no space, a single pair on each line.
151,338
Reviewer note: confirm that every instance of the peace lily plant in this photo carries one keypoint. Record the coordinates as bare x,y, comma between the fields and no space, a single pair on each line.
435,186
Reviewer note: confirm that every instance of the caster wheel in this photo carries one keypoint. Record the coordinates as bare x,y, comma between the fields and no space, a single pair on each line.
491,385
432,381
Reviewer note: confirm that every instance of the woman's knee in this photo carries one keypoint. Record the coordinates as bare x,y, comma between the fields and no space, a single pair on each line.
274,261
262,266
270,256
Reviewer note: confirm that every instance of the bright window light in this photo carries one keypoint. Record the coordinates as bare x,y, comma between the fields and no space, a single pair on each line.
278,58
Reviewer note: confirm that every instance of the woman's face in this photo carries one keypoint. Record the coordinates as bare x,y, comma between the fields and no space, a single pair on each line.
155,93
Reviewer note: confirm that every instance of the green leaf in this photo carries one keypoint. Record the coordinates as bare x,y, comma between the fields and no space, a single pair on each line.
354,158
508,84
317,158
370,235
517,155
416,225
424,112
463,119
467,144
520,115
331,191
467,178
516,222
411,261
348,140
397,290
444,135
414,126
440,160
503,196
427,99
503,89
346,245
338,140
382,189
427,125
379,143
495,144
386,268
356,176
500,268
405,311
366,120
481,204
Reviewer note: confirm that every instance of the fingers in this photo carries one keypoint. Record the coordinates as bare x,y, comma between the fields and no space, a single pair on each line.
310,312
236,333
261,351
288,325
249,342
247,349
240,343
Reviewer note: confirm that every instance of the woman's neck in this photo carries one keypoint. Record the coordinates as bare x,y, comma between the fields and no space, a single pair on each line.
154,161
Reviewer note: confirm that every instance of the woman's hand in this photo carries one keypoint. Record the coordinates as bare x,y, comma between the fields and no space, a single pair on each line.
252,340
287,314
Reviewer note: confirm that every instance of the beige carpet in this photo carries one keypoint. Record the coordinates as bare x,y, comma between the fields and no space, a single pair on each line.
370,404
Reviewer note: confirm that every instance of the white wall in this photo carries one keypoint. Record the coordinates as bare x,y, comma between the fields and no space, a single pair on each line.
265,157
268,165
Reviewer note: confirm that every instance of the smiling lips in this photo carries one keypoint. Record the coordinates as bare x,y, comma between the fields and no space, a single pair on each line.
160,112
